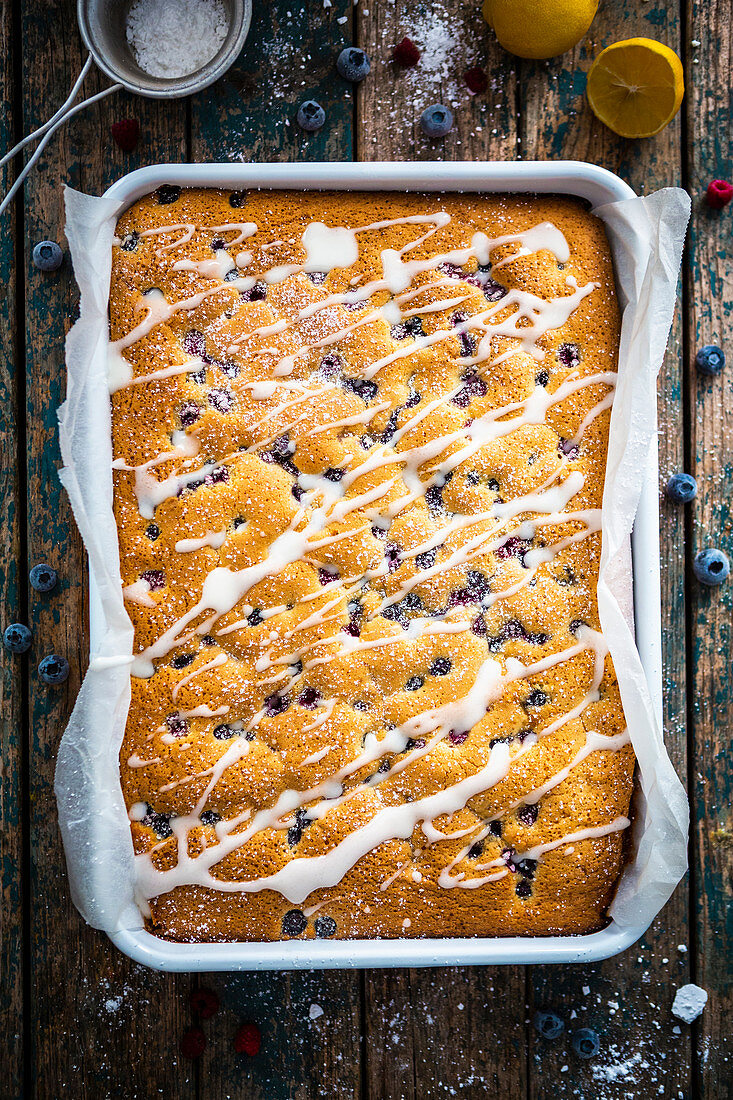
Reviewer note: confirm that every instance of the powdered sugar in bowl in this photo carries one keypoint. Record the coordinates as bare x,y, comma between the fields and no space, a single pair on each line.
122,39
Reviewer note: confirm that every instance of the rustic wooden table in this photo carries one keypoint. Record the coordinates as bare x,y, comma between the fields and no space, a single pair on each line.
79,1019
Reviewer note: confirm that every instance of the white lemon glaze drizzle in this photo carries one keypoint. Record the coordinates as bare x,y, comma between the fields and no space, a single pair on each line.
519,316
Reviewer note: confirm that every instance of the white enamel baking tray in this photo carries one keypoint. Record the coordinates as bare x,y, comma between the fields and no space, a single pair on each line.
589,182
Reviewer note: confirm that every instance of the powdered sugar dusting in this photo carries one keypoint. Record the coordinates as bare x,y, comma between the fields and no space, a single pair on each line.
441,49
619,1068
174,38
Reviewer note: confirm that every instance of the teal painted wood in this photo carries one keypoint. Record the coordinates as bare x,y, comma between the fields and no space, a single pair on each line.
710,298
99,1025
12,602
628,999
290,56
92,1012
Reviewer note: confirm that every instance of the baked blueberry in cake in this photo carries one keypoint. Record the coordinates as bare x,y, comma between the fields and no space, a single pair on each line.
359,453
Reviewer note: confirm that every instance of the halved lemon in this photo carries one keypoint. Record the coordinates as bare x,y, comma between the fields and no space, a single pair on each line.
636,87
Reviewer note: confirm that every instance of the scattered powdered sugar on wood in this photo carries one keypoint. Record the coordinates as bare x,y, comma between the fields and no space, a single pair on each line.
436,33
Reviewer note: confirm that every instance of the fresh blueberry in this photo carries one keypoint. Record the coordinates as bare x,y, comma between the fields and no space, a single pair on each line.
53,669
436,121
353,64
682,488
43,577
48,256
710,359
310,116
711,566
586,1043
17,638
548,1024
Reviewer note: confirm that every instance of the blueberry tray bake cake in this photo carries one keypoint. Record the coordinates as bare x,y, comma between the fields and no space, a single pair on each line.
359,452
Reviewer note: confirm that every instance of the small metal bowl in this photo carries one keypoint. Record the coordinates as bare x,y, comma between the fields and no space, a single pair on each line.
102,26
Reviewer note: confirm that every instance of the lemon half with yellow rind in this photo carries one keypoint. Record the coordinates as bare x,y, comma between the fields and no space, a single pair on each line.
539,29
636,87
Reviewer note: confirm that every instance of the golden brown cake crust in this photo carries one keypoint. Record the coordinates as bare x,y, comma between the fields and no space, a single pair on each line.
405,723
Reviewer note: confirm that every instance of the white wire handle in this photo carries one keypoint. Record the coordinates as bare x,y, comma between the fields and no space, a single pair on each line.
48,129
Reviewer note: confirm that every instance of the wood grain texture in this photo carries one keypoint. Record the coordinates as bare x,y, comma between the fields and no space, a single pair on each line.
452,38
710,303
92,1011
446,1032
100,1026
12,601
639,1046
289,57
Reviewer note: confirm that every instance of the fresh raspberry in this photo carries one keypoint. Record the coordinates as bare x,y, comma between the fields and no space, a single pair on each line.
719,194
126,132
205,1002
476,80
406,53
193,1043
248,1040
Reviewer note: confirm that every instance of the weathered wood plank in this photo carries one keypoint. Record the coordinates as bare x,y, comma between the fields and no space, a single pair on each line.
628,998
290,56
92,1011
310,1026
12,601
444,1033
710,301
452,38
428,1032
